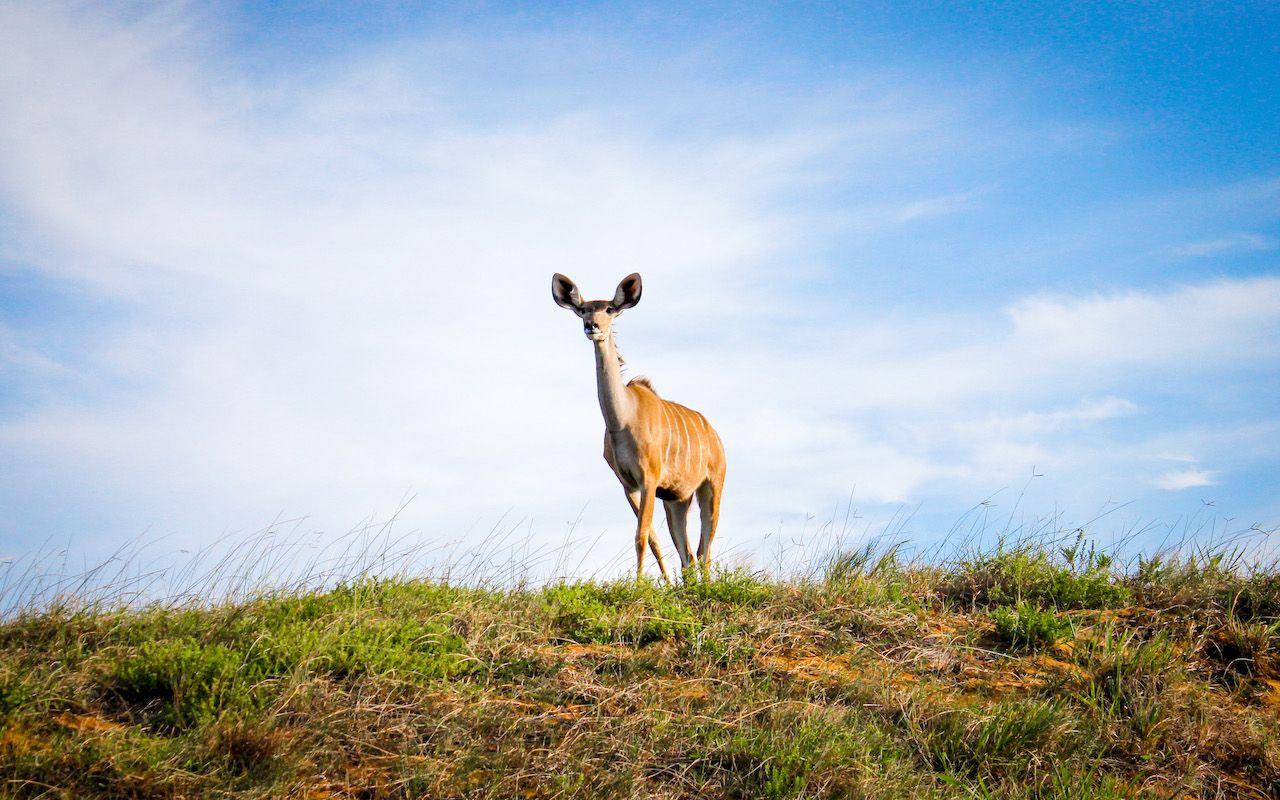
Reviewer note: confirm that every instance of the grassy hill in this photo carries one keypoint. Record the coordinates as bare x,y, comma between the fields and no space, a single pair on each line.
1026,673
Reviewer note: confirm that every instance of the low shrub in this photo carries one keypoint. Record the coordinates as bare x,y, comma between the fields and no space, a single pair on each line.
1025,627
625,612
1032,576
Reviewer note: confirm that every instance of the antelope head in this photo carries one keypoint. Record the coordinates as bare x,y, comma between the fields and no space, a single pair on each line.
597,315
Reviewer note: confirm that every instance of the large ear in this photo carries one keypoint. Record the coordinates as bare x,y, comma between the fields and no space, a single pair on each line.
628,293
565,293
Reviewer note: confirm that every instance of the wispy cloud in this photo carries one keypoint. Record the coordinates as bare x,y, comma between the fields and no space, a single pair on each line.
1234,243
903,212
1192,478
1218,319
16,358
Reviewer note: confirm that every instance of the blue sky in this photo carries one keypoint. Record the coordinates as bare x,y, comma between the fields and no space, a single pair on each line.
278,260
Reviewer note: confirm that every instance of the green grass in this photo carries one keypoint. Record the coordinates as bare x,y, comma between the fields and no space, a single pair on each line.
1023,673
1025,627
991,740
1032,576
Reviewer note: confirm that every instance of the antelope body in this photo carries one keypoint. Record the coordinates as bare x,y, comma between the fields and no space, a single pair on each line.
659,450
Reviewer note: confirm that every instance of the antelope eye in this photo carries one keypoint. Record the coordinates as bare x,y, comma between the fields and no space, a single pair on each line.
610,310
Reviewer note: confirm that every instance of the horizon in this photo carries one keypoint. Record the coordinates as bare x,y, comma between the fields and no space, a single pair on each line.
258,263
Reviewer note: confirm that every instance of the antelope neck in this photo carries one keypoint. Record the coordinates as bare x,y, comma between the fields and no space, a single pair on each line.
615,401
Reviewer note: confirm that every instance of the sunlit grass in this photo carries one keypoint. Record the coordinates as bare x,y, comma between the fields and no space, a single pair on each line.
1026,671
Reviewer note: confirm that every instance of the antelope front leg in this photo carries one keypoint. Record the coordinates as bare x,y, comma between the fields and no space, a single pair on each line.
634,498
644,528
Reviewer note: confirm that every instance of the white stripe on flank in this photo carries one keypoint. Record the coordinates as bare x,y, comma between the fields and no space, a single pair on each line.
702,445
666,450
684,442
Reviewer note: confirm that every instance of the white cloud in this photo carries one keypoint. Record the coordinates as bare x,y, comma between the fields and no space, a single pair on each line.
1177,480
1227,320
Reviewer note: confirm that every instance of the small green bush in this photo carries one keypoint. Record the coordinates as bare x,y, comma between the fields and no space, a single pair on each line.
1034,577
183,682
180,683
16,692
351,647
1026,627
624,611
737,588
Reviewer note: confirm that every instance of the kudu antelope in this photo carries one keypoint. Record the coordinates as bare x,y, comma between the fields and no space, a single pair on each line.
657,448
